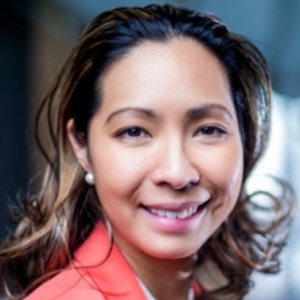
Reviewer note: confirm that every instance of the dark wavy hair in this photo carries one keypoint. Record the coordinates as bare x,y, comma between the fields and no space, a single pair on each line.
55,222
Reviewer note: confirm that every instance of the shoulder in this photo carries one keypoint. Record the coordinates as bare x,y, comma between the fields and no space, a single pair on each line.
98,266
68,285
75,281
70,294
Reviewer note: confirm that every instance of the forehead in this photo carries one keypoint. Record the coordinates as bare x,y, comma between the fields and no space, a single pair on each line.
180,70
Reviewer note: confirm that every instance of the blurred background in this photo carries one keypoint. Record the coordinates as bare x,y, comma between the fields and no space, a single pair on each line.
36,35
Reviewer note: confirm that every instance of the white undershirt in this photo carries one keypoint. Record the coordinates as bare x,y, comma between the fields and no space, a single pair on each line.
149,296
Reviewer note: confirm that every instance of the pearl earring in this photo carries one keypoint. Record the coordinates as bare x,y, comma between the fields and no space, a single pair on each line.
89,178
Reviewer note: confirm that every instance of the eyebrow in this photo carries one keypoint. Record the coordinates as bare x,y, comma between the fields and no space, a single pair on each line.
192,113
205,109
148,112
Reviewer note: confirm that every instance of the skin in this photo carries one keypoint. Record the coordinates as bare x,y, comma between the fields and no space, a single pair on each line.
166,136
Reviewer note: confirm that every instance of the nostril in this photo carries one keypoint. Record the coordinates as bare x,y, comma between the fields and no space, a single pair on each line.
195,181
188,185
177,175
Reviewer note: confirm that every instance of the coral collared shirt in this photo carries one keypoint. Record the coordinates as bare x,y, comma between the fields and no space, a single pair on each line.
101,276
97,275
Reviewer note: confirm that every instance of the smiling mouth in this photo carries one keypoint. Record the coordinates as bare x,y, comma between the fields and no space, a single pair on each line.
171,214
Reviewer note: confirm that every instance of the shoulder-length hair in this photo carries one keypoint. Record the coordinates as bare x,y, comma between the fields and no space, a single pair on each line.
55,222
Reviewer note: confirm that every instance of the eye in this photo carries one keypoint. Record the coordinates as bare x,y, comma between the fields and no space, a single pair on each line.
210,131
133,133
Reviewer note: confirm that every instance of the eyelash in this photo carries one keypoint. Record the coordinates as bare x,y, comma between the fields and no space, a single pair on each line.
216,131
125,133
136,132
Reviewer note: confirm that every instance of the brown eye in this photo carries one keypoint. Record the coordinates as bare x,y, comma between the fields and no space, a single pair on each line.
133,133
211,131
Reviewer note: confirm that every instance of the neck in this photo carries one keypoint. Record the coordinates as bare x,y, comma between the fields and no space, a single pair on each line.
164,278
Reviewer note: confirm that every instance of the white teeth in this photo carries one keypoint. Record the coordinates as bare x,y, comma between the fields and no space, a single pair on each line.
182,214
171,215
161,213
185,213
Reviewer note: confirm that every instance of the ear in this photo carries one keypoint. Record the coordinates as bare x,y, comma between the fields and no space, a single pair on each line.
81,151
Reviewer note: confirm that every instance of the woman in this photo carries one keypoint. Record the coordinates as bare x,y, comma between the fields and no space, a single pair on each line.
156,120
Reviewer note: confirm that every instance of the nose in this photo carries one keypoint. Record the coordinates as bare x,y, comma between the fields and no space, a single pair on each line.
173,167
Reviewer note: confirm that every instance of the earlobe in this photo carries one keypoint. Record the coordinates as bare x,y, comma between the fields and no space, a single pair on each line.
81,151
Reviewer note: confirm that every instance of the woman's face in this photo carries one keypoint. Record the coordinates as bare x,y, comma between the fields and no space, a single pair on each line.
165,148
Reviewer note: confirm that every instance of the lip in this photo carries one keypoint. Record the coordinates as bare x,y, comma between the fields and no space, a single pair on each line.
174,206
175,225
176,217
178,206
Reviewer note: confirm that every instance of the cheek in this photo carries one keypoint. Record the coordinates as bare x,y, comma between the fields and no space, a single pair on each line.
227,177
234,170
117,173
